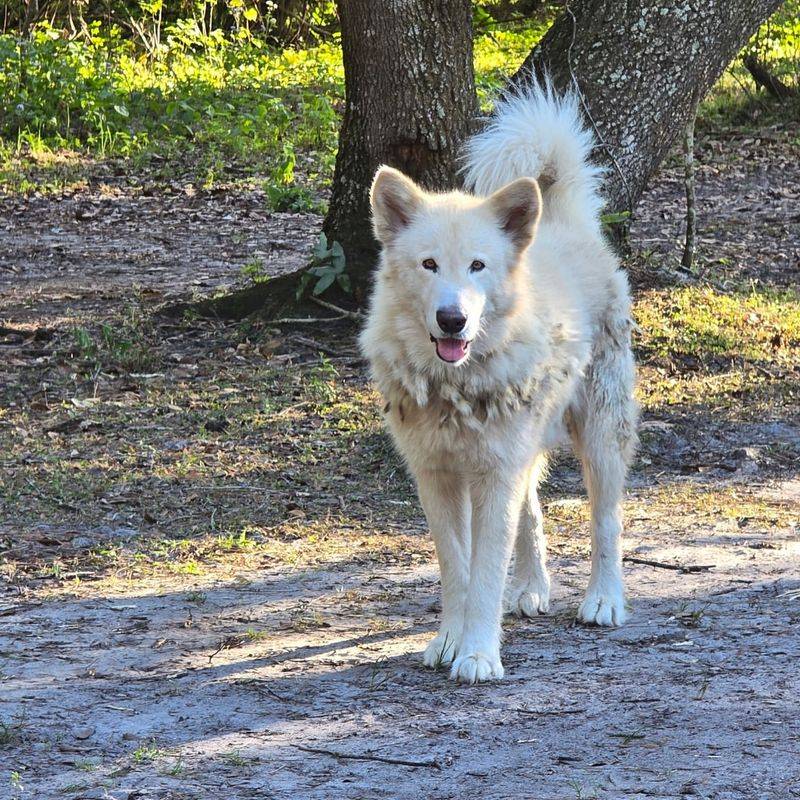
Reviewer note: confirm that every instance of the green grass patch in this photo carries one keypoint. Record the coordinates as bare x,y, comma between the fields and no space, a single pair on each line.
702,322
724,352
210,106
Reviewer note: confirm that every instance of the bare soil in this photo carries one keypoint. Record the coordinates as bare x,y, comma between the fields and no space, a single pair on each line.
215,581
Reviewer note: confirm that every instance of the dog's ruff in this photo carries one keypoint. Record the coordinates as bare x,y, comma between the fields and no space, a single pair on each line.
500,323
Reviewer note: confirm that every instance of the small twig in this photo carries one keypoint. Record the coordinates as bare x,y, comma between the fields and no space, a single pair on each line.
365,757
210,487
300,321
691,213
768,372
742,85
260,687
314,344
290,408
663,565
82,574
637,700
551,712
354,315
320,30
228,643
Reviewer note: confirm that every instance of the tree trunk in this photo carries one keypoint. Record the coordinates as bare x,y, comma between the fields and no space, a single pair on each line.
411,98
410,102
763,77
639,66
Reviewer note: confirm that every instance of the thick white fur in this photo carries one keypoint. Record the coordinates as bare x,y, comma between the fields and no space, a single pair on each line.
549,324
540,134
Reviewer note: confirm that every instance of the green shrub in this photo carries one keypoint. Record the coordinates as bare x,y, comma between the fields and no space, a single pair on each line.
208,104
220,106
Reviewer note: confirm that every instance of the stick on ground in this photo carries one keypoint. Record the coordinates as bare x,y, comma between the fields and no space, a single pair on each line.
366,757
691,213
664,565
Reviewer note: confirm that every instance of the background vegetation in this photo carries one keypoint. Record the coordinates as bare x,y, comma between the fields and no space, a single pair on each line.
219,93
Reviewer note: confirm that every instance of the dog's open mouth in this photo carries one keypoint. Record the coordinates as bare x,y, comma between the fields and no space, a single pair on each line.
451,350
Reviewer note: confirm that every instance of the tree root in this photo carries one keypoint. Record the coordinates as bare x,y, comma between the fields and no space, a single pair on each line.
274,300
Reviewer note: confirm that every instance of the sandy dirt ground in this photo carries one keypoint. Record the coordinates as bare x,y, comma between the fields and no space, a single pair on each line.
130,696
295,682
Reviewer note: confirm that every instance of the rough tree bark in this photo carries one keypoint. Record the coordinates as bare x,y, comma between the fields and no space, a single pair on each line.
639,66
410,103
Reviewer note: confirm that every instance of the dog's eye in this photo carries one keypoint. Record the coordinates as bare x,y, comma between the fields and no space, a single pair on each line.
430,264
476,266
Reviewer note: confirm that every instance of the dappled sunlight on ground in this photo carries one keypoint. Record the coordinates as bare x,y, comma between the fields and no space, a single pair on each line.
197,681
211,557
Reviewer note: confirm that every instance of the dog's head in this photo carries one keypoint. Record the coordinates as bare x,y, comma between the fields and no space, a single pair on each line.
455,257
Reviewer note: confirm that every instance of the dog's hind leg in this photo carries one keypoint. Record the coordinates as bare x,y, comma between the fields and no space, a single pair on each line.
445,500
603,428
530,588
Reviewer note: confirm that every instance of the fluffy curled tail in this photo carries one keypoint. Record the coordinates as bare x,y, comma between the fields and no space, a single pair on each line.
536,133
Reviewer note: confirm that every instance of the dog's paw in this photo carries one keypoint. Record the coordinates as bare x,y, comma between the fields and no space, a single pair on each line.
604,605
476,668
530,600
441,651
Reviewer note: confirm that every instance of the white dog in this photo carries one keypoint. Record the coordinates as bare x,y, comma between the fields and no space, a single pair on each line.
499,323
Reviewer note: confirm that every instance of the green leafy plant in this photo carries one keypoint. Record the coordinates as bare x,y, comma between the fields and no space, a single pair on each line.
614,222
254,270
328,267
85,343
283,191
291,198
209,104
321,382
615,217
126,345
147,751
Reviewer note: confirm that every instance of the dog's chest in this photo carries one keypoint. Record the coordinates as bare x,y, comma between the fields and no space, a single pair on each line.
497,416
454,431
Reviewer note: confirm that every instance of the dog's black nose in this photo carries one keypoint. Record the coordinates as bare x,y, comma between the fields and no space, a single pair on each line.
451,319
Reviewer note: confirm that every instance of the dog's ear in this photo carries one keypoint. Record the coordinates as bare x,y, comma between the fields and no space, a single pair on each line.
518,207
395,199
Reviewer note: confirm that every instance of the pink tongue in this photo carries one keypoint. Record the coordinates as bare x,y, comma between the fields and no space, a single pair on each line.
451,349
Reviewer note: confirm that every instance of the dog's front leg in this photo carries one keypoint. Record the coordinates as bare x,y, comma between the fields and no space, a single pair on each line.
445,500
496,503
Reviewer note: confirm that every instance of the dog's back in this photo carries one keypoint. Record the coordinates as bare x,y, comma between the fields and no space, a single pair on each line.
537,133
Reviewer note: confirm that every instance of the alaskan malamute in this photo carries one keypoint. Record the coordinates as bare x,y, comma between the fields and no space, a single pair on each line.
500,325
